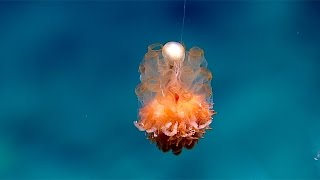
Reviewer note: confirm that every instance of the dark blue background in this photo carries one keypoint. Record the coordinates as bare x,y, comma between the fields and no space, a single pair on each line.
68,73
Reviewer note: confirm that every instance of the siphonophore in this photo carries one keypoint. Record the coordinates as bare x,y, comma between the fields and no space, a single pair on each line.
175,95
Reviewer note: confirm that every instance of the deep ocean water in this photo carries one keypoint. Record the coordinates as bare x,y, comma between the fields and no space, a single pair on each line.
68,72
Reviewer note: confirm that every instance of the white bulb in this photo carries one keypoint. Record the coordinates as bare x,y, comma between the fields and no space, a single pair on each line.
173,51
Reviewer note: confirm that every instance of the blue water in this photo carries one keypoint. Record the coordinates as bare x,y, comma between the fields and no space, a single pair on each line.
68,73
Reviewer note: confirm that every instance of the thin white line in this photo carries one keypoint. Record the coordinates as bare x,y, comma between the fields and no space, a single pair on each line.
184,16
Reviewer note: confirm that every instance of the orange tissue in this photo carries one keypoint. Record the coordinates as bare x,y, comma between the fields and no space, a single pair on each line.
175,95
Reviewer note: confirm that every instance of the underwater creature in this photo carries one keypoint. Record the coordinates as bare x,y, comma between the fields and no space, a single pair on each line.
175,95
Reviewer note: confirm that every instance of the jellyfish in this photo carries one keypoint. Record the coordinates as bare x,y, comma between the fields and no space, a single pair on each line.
175,96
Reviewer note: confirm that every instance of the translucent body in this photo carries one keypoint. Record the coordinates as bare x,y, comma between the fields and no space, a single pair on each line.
175,96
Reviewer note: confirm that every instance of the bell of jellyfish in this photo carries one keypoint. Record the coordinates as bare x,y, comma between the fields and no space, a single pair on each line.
175,95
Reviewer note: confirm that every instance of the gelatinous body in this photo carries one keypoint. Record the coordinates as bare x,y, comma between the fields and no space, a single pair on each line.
176,96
